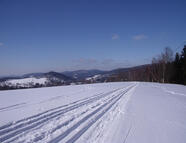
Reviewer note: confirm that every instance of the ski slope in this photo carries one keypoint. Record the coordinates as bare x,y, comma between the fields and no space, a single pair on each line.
123,112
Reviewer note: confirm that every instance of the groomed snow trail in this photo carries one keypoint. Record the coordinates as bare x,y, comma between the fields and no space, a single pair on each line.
73,122
122,112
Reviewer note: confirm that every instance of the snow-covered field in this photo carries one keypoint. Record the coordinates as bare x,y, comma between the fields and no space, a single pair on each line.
123,112
25,82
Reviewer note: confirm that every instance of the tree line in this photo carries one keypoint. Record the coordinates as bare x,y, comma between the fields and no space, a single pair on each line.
165,68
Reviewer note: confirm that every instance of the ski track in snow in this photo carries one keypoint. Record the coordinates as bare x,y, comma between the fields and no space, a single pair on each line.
124,112
66,123
11,107
169,91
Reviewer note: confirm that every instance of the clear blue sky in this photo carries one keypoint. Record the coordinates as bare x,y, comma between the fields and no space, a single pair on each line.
44,35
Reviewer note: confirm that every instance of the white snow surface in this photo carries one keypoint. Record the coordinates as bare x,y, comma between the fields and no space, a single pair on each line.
94,77
26,81
122,112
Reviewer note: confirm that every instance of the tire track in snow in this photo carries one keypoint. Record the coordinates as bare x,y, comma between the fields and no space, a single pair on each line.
43,134
11,107
128,132
7,131
104,129
90,117
39,114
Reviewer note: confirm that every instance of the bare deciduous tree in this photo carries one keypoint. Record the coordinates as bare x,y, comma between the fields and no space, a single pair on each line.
160,65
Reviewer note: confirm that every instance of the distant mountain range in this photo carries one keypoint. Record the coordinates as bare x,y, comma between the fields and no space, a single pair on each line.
83,74
64,78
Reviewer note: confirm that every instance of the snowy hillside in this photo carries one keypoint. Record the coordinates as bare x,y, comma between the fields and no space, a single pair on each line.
95,77
26,82
35,80
123,112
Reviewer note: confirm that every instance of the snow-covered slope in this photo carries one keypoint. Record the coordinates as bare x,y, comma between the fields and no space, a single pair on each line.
26,82
125,112
94,77
35,80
